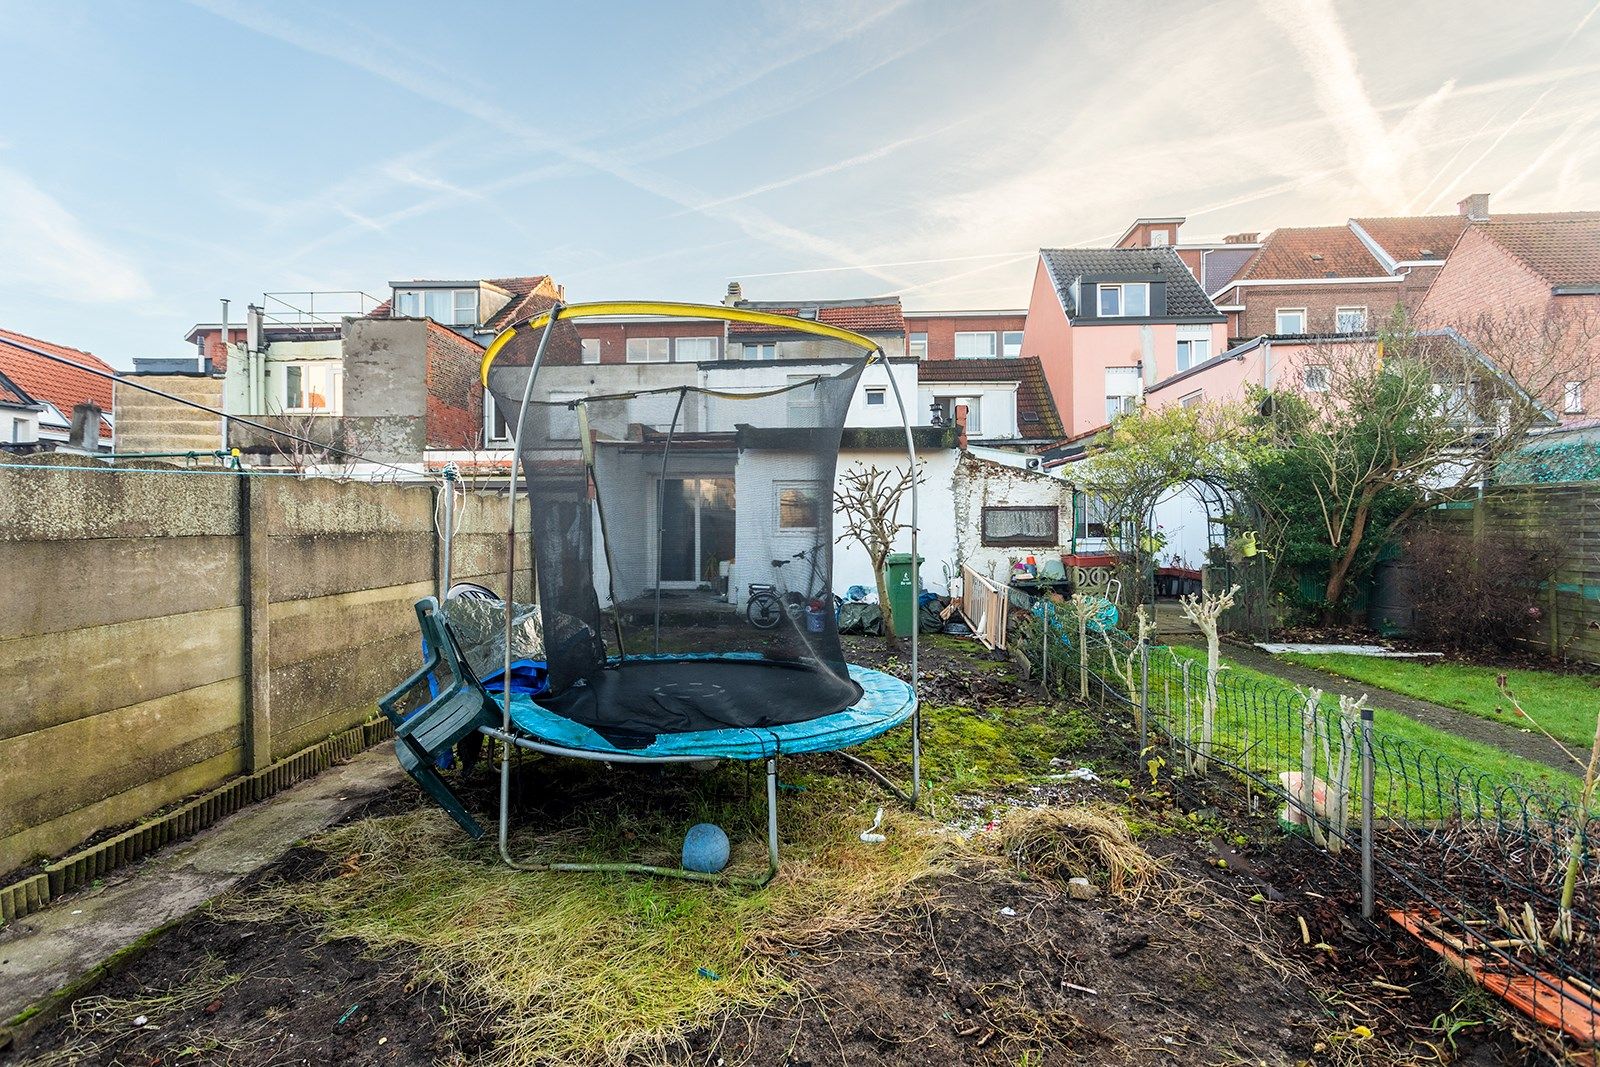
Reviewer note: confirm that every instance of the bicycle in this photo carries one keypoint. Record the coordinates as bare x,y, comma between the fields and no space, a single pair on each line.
769,605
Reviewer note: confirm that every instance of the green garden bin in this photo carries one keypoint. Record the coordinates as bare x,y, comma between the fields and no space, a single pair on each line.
902,585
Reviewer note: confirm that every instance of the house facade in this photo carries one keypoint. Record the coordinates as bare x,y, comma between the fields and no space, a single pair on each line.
40,393
1106,324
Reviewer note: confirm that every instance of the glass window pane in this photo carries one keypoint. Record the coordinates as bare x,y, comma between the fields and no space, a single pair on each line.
648,349
1019,526
591,350
409,304
919,346
1110,300
1012,346
439,305
695,349
466,307
975,346
1136,299
798,507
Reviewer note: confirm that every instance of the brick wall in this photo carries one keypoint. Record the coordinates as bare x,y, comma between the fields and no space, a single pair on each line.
613,336
942,330
455,390
1262,302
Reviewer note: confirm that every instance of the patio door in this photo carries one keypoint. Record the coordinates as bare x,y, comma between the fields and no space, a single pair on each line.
695,530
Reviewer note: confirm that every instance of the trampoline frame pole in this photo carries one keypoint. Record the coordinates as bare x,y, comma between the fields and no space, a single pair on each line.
511,577
916,587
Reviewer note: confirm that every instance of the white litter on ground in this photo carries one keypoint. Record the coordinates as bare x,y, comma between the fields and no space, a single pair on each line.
1379,651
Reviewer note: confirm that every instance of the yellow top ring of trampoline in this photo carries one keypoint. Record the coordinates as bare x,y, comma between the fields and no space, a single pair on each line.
669,309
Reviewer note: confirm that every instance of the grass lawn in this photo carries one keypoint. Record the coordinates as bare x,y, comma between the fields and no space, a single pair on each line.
1564,704
1255,713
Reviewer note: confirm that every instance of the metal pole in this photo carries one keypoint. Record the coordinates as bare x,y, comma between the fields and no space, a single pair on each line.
1366,814
1044,646
1144,696
916,580
772,814
447,533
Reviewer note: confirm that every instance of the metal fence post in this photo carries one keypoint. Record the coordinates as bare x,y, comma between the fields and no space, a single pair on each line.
1366,814
1144,697
1044,646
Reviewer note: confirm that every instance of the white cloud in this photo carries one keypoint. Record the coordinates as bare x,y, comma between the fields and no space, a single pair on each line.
46,249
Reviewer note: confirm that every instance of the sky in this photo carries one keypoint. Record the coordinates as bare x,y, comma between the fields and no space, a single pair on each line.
158,155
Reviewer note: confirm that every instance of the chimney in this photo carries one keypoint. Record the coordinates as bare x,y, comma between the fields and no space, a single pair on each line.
1475,207
1241,238
85,433
735,294
961,427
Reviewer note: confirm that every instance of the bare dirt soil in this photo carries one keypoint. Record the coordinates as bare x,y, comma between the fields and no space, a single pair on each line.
985,966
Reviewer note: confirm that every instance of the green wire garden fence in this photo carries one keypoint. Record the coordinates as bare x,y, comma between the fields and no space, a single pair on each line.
1471,858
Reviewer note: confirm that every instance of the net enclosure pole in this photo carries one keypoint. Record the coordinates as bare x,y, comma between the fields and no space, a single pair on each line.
1367,893
916,581
511,577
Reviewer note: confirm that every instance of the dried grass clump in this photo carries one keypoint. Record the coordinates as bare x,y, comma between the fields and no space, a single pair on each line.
598,968
1061,843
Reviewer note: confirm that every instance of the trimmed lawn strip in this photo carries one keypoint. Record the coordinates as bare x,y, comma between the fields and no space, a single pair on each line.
1564,704
1281,752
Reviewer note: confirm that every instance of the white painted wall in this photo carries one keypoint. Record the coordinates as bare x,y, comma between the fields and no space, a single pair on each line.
235,383
936,513
995,403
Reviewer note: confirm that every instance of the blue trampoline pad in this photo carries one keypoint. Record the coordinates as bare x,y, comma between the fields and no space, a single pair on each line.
885,703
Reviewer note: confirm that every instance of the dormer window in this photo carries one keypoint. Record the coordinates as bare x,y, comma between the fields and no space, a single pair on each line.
448,307
1125,300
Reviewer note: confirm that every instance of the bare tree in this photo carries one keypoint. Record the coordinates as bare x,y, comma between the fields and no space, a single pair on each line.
1205,610
1374,432
869,499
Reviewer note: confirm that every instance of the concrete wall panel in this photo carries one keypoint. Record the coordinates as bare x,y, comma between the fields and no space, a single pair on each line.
329,564
308,629
79,501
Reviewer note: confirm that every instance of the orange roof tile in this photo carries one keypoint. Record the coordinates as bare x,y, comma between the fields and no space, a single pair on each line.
1312,252
43,379
1563,250
1415,236
879,316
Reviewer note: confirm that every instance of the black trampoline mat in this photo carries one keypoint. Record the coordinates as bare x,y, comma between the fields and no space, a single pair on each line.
628,704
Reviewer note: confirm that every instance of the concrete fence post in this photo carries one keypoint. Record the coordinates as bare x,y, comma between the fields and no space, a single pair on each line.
257,625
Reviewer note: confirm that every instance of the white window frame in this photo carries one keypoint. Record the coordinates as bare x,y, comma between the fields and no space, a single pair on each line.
801,399
1159,239
1122,289
763,351
336,387
1189,400
1338,315
1126,403
1572,398
1315,377
917,345
1186,347
877,396
591,349
970,336
679,357
779,488
1277,321
1009,350
413,304
646,350
489,411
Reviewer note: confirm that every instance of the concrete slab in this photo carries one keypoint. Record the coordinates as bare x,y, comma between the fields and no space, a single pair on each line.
53,948
1376,651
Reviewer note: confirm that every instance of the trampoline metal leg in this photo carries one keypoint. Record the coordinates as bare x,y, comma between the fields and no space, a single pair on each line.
772,817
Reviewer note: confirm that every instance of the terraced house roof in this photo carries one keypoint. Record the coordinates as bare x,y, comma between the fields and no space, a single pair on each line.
61,386
1185,298
1563,250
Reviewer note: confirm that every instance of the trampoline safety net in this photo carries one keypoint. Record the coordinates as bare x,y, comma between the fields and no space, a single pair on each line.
682,531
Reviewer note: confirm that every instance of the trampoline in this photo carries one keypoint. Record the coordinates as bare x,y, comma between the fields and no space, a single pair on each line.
659,504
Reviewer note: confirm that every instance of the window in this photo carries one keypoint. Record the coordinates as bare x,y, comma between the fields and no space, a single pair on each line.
449,307
1092,517
1315,378
875,397
694,349
1123,387
1290,321
19,431
496,429
1189,400
947,409
1572,399
313,387
1349,320
591,350
1125,300
802,397
1194,346
760,351
799,505
1011,344
649,349
918,347
1022,527
975,345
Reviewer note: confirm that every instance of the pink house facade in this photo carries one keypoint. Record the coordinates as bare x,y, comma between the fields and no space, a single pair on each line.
1110,324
